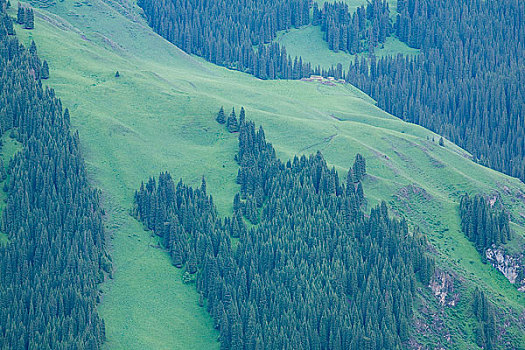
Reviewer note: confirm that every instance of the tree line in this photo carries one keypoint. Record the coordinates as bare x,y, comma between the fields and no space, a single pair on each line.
468,81
54,254
235,34
308,269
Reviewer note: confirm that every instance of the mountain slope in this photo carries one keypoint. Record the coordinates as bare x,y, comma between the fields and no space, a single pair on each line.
159,115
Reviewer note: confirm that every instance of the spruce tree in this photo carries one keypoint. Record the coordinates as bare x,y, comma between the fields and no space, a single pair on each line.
231,124
21,14
242,117
45,70
221,117
359,169
30,19
8,23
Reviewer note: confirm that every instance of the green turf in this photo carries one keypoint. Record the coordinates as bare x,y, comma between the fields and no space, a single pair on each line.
9,147
159,115
354,4
308,43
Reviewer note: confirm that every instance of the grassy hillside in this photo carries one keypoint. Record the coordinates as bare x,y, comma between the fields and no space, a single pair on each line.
159,115
354,4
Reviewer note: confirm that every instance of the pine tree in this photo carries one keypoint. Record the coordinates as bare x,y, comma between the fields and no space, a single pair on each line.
231,124
21,14
242,117
45,70
29,19
8,23
359,169
221,117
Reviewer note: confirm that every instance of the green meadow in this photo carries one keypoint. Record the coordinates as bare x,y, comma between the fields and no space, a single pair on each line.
160,115
9,147
307,42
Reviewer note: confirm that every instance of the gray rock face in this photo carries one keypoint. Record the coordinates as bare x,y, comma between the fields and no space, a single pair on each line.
509,265
442,285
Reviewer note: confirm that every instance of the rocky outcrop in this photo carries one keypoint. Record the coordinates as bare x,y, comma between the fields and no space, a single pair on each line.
442,285
511,266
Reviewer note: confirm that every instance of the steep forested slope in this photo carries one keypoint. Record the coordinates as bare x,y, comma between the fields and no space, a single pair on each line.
482,224
314,272
159,114
225,32
54,256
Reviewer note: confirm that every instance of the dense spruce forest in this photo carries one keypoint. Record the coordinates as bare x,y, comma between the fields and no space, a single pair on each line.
467,84
355,32
235,34
309,270
239,34
54,255
482,224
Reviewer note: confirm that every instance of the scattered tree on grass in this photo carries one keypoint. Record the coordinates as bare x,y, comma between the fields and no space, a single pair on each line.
221,117
359,168
29,19
231,124
45,70
242,116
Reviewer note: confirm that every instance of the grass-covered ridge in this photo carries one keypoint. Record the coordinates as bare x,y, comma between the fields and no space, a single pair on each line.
159,115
